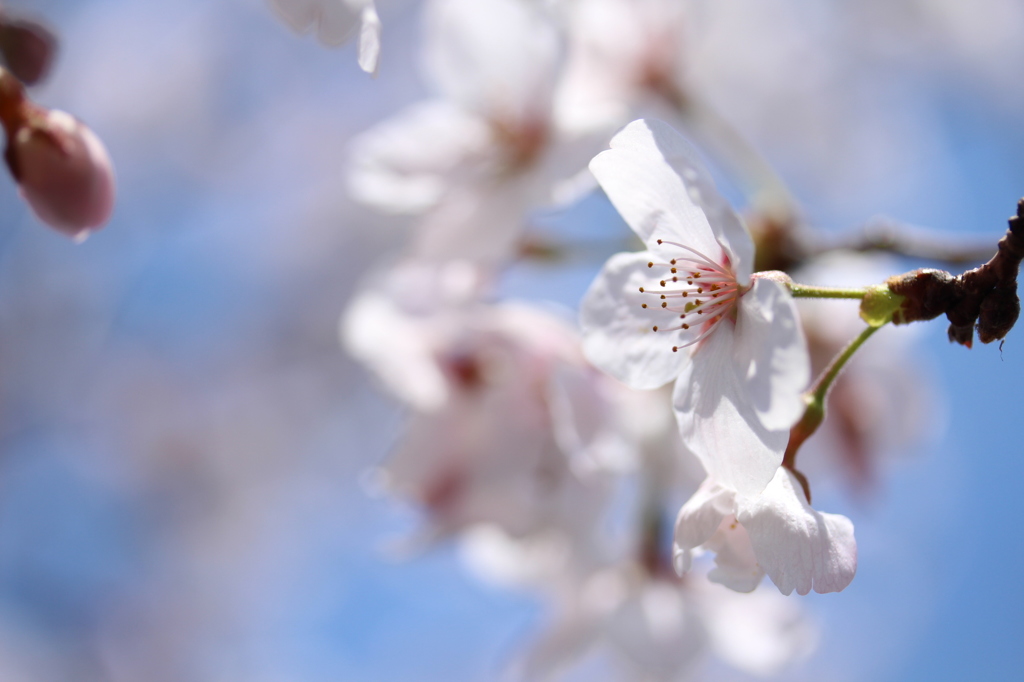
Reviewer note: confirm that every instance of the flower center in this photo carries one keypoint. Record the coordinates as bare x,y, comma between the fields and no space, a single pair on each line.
698,293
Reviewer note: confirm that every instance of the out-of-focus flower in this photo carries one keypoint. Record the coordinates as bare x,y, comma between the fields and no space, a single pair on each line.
61,167
494,144
687,308
27,47
775,533
625,53
648,626
757,77
660,629
334,22
509,427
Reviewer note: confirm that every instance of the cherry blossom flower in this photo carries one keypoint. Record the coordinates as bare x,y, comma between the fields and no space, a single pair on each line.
775,533
492,145
688,309
509,424
334,22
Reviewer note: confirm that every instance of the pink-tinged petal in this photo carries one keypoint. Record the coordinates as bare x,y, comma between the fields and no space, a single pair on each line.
369,41
618,333
703,513
395,345
651,177
498,58
736,565
771,354
799,548
718,422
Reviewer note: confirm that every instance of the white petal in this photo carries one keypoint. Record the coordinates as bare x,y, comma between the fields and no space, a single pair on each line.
799,548
651,177
475,220
406,163
369,41
718,422
617,333
729,229
336,23
771,354
702,514
394,344
498,58
736,565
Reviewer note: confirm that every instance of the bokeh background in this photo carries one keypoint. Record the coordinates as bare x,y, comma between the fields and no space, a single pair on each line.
183,443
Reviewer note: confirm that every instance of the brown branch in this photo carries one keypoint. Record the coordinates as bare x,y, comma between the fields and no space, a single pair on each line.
883,234
787,245
984,298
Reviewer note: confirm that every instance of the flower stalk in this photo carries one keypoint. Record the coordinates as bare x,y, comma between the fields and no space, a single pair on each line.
809,291
815,399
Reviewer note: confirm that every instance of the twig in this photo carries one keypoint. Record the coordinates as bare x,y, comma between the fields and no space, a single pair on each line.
985,297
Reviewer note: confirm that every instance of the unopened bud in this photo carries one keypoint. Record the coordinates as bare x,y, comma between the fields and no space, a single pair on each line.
28,49
62,168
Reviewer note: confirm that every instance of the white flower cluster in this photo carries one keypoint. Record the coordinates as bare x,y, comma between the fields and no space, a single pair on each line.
526,433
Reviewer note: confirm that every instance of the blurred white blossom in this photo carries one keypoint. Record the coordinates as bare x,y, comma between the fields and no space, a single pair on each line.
510,425
492,146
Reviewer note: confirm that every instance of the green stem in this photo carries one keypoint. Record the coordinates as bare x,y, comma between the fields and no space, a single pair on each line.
815,398
808,291
828,377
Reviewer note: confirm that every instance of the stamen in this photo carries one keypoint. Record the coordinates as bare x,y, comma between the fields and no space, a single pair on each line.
704,259
713,285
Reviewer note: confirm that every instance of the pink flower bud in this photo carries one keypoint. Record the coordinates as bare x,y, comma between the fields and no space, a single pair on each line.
63,170
28,49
